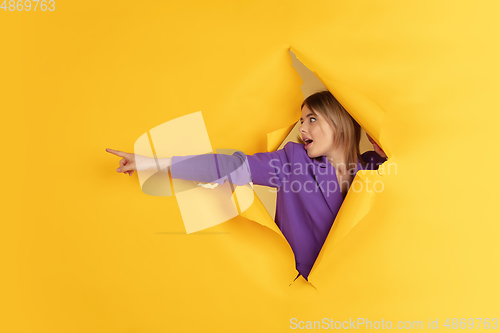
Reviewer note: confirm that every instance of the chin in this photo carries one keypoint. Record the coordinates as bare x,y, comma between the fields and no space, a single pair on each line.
311,155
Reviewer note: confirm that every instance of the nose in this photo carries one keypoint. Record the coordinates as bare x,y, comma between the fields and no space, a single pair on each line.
302,128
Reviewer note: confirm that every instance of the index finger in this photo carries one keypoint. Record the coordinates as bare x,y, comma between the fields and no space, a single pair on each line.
116,152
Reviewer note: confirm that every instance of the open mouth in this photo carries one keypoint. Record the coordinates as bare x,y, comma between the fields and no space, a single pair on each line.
308,143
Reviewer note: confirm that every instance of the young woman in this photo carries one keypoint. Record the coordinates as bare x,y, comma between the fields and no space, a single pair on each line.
312,177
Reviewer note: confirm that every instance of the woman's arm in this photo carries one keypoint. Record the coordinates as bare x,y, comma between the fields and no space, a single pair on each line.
161,164
211,168
261,168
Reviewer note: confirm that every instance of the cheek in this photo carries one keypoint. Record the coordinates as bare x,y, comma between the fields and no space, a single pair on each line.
324,131
329,135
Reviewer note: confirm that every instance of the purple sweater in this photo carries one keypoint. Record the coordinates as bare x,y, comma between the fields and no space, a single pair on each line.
308,193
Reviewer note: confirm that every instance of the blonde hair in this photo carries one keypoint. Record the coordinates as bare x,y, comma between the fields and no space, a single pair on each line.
347,132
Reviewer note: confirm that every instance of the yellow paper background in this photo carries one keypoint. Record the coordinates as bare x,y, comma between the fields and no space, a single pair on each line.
84,250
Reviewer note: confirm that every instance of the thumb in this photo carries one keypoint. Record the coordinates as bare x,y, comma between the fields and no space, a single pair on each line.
127,167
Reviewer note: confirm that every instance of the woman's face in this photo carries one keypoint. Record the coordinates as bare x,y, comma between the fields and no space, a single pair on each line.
315,127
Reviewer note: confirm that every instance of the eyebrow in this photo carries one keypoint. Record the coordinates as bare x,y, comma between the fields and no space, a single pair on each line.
310,114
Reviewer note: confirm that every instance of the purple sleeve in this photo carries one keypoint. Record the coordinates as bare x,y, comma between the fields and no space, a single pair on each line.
212,168
267,168
372,159
240,169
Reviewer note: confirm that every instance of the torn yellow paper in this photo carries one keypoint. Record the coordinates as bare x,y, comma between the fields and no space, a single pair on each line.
89,247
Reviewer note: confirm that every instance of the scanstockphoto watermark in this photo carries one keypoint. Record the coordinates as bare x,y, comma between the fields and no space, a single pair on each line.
368,324
303,169
354,324
299,177
328,186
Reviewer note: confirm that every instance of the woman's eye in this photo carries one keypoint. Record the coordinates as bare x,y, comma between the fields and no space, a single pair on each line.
312,118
